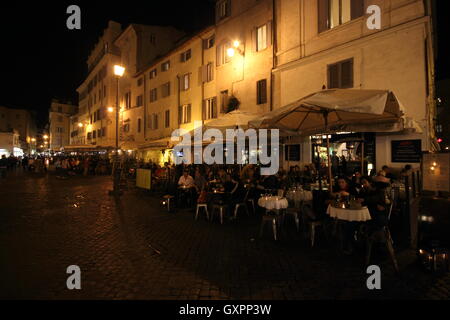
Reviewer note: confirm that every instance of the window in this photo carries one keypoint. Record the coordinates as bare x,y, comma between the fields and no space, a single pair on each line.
165,89
153,39
153,95
184,114
140,81
153,73
94,134
60,119
333,13
99,133
139,100
292,152
154,121
59,130
208,72
261,38
89,135
223,9
224,101
210,108
222,55
209,43
261,91
165,66
139,125
104,132
185,82
127,99
185,56
167,119
340,75
126,127
60,109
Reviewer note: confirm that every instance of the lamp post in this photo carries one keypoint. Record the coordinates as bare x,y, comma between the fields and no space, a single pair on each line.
118,72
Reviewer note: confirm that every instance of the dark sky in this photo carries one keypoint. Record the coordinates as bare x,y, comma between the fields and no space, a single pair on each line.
41,58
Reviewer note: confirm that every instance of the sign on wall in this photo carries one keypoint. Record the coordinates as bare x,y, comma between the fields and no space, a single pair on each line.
406,151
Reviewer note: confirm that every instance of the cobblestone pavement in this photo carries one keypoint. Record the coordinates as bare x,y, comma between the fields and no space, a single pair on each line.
132,249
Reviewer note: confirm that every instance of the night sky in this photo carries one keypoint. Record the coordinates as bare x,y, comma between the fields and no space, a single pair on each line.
42,59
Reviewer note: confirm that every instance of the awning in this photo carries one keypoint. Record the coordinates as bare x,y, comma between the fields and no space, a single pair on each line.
337,110
157,144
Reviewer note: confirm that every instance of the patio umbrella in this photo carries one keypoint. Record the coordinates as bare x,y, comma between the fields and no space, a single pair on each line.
328,111
232,120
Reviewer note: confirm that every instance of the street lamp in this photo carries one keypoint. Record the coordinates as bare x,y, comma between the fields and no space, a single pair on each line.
118,72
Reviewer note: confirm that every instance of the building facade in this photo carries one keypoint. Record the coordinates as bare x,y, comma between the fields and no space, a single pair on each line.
327,44
132,48
22,122
59,124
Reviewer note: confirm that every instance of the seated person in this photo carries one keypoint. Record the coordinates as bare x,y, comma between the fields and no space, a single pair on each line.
186,180
342,189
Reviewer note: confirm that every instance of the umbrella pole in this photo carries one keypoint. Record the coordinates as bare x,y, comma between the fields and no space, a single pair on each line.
330,174
362,155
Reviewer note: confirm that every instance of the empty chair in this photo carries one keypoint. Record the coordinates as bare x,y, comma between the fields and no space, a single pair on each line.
312,220
242,203
382,235
273,219
205,207
219,208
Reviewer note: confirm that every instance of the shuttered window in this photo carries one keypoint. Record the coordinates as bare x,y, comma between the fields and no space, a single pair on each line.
332,13
184,114
165,89
209,108
261,91
167,119
340,75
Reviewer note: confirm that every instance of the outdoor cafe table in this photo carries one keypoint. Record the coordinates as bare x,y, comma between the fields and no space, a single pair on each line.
299,196
346,214
273,203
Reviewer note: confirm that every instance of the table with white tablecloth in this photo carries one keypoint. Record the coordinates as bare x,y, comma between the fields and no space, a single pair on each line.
298,196
360,215
273,203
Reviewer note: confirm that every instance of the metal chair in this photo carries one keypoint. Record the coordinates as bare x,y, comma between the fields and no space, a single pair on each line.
199,206
383,236
218,207
243,203
274,221
310,218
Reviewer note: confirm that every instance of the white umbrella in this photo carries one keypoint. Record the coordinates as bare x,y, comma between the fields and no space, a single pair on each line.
232,120
329,111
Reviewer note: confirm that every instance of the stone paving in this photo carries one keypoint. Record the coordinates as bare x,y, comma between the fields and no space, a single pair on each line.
132,249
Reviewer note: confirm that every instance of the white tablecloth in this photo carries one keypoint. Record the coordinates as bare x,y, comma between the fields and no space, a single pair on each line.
349,214
271,203
299,195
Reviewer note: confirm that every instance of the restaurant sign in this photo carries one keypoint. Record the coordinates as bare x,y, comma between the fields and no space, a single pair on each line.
406,151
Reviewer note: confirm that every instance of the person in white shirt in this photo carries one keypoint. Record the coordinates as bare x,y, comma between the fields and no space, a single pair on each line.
186,180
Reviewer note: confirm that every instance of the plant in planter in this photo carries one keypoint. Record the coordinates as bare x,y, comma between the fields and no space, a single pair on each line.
233,104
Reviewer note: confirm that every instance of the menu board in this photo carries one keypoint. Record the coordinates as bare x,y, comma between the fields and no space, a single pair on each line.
436,173
406,151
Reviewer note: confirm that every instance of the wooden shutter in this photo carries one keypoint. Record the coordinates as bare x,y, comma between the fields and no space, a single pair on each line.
180,114
214,107
333,76
357,8
269,33
347,74
219,55
323,14
254,37
204,109
189,107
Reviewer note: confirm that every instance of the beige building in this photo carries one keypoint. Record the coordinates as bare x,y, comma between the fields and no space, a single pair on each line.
132,48
59,124
327,44
24,123
223,67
